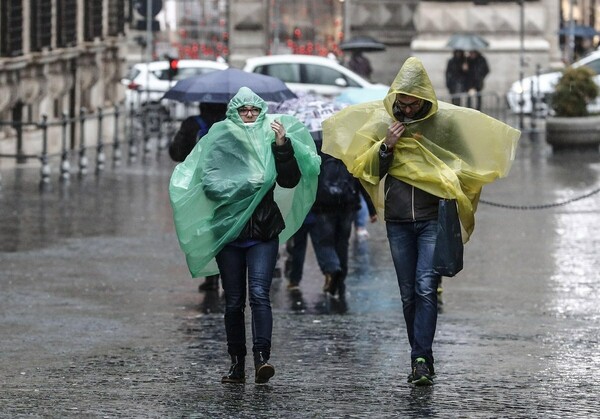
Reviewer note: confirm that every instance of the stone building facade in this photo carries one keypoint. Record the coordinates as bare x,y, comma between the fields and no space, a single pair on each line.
57,57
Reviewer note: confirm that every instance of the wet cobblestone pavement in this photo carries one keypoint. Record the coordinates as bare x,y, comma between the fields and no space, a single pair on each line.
99,318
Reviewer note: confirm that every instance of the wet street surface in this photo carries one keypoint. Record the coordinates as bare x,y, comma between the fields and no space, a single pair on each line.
100,318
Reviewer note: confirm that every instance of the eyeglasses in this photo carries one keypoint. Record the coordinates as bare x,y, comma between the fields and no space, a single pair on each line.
413,105
245,111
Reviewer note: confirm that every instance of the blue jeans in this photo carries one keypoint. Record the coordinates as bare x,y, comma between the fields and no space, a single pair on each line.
331,238
362,215
412,246
296,247
258,262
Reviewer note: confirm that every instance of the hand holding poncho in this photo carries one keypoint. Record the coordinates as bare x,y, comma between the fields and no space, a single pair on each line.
217,188
451,152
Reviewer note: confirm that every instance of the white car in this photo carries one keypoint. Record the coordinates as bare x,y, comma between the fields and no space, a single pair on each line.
146,83
541,87
154,76
308,74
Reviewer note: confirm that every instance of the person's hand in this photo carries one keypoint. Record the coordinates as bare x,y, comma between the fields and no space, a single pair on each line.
373,218
279,131
394,132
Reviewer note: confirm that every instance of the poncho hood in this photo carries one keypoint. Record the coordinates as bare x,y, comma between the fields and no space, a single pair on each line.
451,152
215,191
412,80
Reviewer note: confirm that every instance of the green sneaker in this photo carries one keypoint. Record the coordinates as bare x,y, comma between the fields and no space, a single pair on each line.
421,373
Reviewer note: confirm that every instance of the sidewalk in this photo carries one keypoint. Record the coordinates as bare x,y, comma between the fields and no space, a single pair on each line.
99,317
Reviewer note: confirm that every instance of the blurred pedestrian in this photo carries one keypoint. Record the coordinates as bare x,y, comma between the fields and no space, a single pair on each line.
192,129
477,70
456,75
360,64
329,224
424,151
360,221
249,183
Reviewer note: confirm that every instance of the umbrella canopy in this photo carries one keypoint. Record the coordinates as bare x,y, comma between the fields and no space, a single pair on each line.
467,42
221,85
362,43
579,30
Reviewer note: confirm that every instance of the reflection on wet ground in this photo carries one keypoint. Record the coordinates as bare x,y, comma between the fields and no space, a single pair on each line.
99,317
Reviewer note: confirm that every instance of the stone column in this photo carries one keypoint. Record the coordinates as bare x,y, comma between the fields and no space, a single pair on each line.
248,30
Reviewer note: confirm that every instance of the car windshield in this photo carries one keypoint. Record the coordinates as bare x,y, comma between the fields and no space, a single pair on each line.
594,65
316,74
286,72
132,73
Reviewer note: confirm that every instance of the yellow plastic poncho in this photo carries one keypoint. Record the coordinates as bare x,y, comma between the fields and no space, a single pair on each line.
217,188
451,152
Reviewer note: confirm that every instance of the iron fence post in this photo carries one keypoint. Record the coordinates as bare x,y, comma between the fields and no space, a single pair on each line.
116,143
65,165
132,144
45,170
83,161
100,157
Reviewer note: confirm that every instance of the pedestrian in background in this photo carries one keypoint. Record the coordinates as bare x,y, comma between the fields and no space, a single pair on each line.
192,129
477,70
456,75
329,225
360,64
227,201
423,150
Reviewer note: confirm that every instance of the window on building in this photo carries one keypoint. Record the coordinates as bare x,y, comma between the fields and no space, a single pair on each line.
313,28
116,17
11,28
41,24
92,25
66,23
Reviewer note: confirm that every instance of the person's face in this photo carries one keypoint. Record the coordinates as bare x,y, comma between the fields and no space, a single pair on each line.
409,105
248,113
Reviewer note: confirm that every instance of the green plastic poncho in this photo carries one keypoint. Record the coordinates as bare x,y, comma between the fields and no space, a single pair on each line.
451,152
216,189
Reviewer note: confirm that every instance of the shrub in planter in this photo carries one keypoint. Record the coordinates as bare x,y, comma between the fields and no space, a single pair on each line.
574,90
571,127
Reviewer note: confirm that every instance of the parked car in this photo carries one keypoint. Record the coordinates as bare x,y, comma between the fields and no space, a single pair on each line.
146,83
541,88
308,73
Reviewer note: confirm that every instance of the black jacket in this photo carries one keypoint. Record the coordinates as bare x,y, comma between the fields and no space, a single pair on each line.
404,202
267,222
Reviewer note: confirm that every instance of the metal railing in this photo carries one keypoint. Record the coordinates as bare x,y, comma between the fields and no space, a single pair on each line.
130,132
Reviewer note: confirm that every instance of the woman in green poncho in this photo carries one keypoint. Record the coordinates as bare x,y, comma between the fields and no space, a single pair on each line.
409,151
247,185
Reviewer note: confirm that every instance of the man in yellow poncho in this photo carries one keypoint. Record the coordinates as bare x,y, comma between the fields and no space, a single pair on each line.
429,150
246,186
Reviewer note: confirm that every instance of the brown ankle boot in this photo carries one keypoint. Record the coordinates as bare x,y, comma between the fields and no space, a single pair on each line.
236,372
264,370
329,286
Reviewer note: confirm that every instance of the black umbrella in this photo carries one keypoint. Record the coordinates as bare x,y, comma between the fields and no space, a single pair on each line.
221,85
362,43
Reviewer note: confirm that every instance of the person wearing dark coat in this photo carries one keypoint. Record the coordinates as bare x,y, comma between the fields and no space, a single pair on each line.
360,65
456,75
478,69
